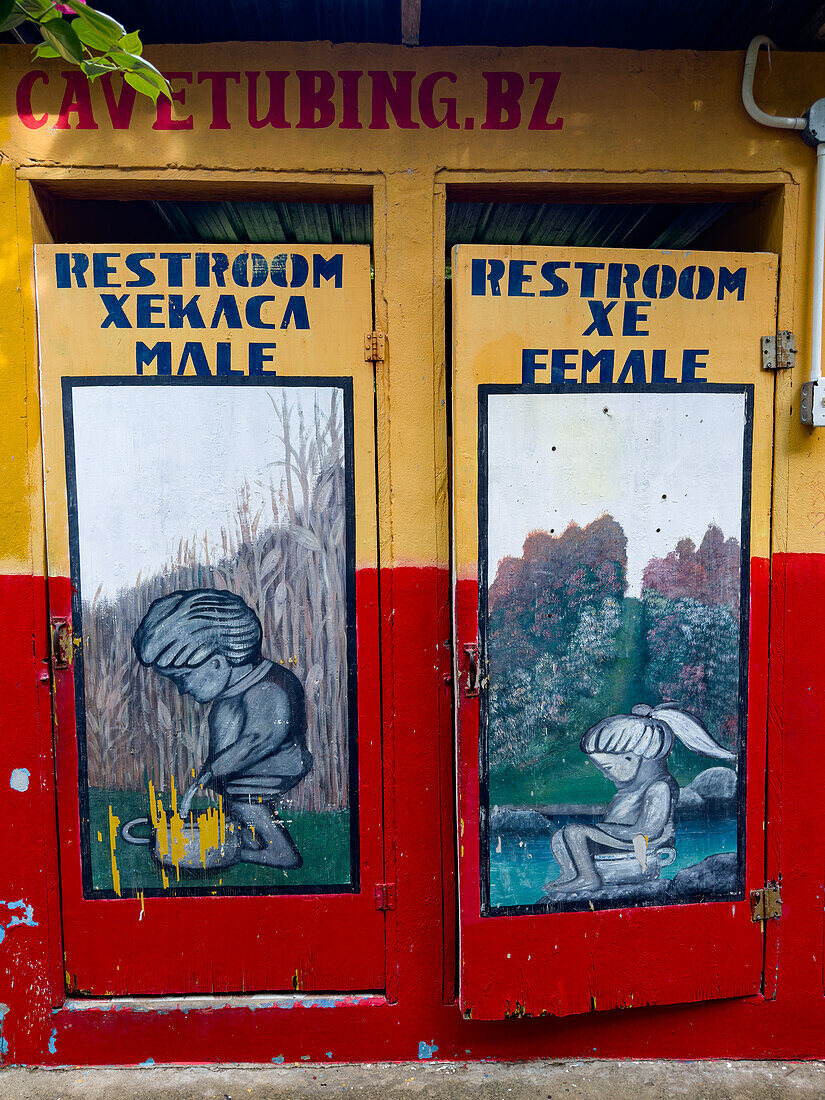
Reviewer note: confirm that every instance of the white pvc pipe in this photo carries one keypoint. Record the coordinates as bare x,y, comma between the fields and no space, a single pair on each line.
783,122
819,266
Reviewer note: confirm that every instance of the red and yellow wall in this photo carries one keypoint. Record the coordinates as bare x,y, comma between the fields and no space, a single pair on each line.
590,124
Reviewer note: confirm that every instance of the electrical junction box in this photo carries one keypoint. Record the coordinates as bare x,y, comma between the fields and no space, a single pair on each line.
812,409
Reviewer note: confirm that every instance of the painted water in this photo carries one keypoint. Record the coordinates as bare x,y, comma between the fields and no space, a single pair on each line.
520,865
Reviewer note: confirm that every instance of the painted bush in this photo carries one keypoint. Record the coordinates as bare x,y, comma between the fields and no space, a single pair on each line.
567,646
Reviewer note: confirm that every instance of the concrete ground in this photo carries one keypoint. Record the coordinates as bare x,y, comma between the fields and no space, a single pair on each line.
414,1081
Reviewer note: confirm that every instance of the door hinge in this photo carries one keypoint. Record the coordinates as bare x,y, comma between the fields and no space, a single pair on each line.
384,896
62,644
374,346
778,351
766,904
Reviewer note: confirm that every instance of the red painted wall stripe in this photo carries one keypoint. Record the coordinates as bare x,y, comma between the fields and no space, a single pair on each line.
415,625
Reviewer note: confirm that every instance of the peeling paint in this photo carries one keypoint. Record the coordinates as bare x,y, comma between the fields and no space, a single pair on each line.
27,918
426,1050
53,1041
114,824
20,779
148,1063
4,1046
199,1003
278,1059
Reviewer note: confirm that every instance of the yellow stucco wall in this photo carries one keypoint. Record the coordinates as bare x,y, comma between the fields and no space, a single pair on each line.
633,125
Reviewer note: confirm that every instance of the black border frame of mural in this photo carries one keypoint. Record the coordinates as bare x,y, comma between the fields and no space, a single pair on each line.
582,905
345,384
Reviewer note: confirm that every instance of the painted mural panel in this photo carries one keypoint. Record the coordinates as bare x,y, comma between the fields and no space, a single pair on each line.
614,615
211,546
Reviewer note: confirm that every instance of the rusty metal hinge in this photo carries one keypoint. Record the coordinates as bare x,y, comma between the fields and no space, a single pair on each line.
63,644
384,896
778,351
374,347
766,904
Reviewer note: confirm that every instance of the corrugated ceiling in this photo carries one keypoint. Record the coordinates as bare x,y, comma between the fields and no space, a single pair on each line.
602,225
628,225
267,222
635,24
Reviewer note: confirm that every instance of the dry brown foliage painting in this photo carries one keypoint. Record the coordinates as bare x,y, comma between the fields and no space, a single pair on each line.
287,559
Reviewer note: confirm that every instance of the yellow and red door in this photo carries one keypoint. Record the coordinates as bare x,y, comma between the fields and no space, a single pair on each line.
612,475
208,433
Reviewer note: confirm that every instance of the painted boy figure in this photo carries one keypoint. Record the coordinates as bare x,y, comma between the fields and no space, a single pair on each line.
208,643
631,750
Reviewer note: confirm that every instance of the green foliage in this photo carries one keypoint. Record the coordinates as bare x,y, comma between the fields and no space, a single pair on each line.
693,661
534,747
557,642
87,38
567,647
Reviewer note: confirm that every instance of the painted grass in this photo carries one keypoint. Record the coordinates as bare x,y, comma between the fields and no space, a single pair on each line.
322,838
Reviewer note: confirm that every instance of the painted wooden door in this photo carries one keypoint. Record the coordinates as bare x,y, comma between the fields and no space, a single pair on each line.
612,474
208,432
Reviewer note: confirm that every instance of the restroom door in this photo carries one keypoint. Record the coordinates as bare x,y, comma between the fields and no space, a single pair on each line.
612,470
208,434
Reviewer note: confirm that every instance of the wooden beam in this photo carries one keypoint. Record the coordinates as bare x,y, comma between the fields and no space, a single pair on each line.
410,22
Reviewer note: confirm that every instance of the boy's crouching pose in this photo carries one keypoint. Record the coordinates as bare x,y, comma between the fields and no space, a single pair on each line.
209,644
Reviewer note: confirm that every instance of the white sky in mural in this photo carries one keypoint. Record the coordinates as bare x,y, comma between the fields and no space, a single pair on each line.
665,466
159,463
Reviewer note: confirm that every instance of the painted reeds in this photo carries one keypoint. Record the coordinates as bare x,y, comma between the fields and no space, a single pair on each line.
286,557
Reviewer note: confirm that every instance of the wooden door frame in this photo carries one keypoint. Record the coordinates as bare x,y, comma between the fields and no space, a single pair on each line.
773,226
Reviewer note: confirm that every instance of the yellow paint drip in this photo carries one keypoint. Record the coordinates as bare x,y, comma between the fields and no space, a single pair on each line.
154,803
114,825
175,836
212,830
162,831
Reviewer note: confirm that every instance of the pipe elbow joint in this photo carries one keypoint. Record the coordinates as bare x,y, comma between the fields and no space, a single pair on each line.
780,122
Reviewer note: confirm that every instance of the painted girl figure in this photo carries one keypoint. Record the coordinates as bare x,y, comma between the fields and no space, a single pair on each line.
632,751
208,643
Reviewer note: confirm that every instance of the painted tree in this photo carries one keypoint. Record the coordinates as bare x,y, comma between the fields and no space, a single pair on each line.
692,660
555,615
691,603
710,574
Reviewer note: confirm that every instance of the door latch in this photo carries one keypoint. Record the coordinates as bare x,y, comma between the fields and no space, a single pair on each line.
473,675
62,644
